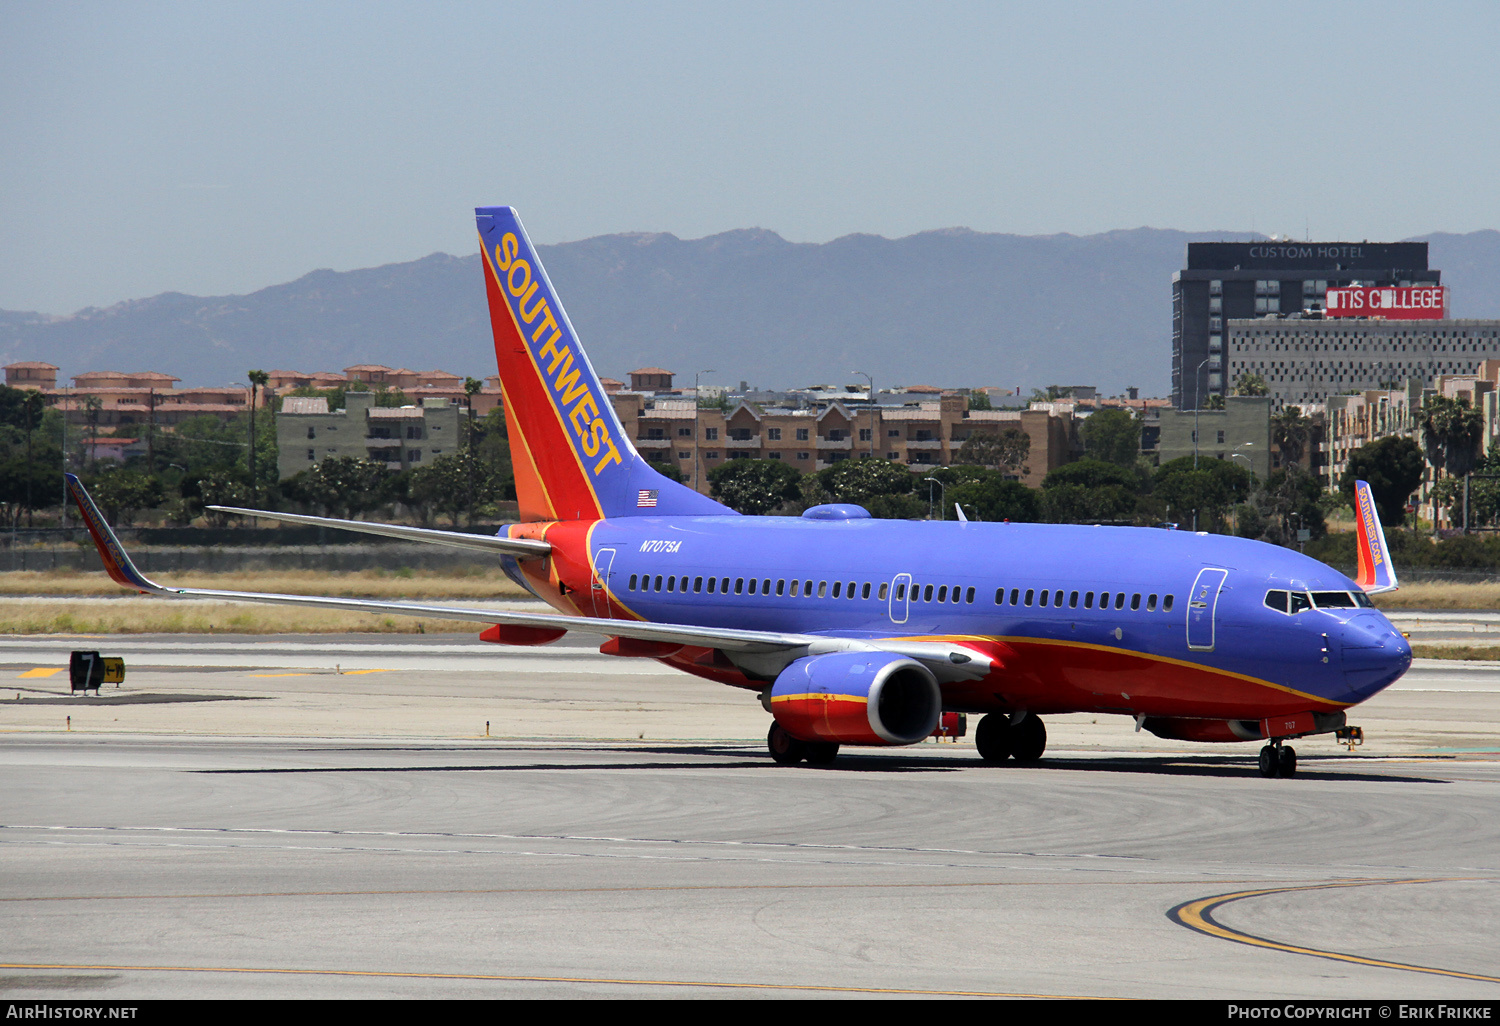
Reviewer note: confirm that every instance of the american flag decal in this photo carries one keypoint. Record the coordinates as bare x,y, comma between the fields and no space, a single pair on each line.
645,498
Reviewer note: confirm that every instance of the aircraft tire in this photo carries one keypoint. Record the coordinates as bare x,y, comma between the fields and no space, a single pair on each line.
1286,763
785,749
993,738
820,753
1028,739
1270,762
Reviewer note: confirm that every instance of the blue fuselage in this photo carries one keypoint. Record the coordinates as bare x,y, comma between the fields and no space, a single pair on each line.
1107,591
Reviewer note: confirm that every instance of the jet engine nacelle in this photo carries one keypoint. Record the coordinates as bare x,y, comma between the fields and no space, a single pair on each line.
857,698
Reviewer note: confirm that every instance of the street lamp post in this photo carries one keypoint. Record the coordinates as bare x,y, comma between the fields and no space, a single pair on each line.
1237,455
942,498
871,405
1197,402
697,446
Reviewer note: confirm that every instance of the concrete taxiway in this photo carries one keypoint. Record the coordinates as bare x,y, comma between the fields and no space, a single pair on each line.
324,817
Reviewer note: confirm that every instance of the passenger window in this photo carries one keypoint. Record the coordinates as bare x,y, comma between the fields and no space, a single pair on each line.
999,596
927,593
900,592
796,588
822,589
765,586
884,588
781,586
724,585
752,585
838,586
969,596
1135,601
1043,602
1015,593
713,583
1088,600
864,592
1073,600
697,584
1151,603
632,582
1029,593
658,583
671,584
849,591
1120,600
1166,604
1057,599
807,589
739,585
942,593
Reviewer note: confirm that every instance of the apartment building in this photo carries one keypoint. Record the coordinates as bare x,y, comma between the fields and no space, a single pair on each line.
419,386
307,431
115,399
677,432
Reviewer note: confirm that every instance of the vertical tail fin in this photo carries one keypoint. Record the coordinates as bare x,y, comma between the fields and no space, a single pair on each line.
572,457
1376,573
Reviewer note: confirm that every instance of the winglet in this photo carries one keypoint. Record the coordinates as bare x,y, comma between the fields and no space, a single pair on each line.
1376,573
116,562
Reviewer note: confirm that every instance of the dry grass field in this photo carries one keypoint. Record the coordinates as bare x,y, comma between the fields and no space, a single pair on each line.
382,584
132,614
128,614
1441,595
142,615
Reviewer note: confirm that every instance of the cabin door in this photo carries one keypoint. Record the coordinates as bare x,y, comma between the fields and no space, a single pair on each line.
1202,602
599,587
900,597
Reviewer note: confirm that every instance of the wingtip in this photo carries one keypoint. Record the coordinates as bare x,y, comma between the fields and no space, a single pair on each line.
117,562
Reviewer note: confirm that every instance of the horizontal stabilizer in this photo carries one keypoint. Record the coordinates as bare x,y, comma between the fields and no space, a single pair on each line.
521,548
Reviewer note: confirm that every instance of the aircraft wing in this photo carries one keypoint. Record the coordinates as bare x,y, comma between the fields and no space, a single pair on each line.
521,548
761,651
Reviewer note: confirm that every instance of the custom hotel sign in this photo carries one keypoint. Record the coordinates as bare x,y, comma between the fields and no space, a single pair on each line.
1396,303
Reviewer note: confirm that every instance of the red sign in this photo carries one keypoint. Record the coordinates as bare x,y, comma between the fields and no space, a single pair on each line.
1409,303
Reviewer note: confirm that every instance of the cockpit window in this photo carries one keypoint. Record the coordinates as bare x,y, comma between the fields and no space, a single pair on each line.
1300,601
1333,600
1362,600
1276,600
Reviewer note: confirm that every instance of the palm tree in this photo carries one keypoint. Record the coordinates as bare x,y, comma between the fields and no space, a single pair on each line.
258,379
1453,435
32,404
94,407
1290,432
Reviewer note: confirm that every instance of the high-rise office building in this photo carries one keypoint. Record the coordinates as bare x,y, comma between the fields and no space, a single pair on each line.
1241,280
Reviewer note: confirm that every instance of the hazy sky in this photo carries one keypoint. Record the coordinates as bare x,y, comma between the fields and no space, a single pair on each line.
216,148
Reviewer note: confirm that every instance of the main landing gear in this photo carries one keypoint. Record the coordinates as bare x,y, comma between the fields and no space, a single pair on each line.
1000,737
1277,760
788,751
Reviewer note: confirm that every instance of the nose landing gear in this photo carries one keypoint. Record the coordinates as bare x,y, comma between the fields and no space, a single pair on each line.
1277,760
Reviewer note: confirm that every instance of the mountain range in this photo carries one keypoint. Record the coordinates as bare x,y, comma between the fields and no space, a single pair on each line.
952,307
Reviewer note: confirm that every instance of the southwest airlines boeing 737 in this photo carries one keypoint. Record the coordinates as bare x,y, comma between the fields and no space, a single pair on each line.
857,631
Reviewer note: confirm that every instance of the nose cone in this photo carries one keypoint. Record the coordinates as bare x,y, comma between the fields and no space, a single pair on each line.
1375,655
